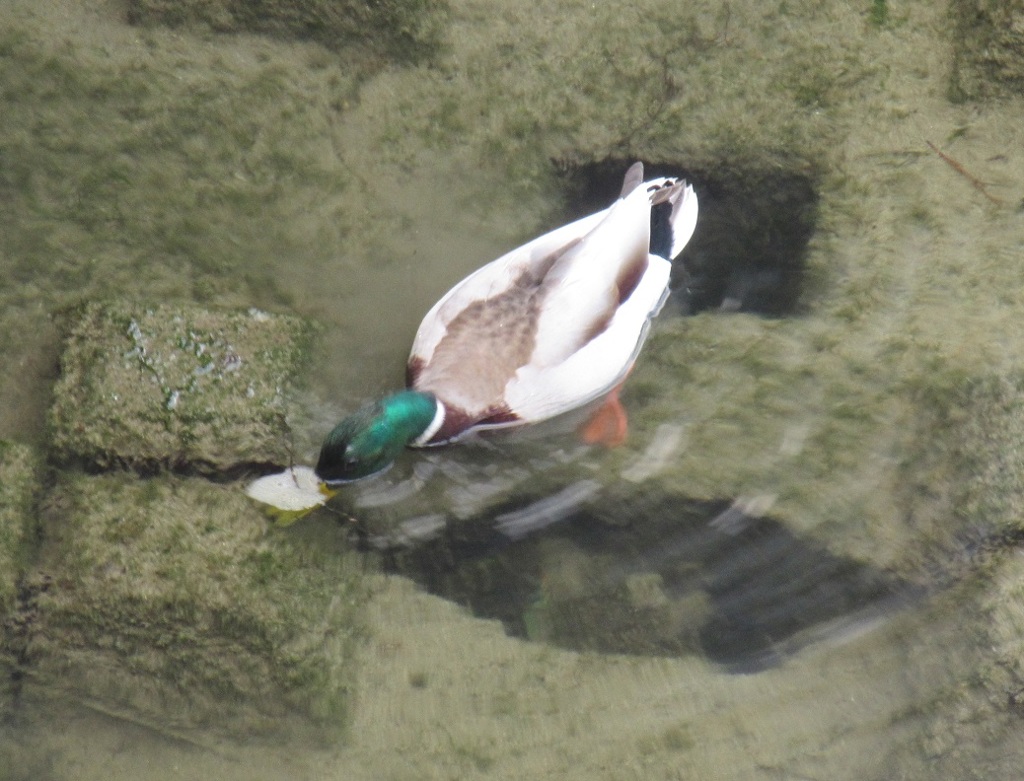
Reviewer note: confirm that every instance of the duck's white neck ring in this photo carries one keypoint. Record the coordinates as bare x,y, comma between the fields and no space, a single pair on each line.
433,428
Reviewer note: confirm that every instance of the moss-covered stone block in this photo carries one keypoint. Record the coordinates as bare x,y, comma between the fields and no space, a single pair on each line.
989,48
167,601
181,387
19,488
408,27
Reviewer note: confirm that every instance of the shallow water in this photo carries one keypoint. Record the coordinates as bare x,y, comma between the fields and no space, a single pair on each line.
539,608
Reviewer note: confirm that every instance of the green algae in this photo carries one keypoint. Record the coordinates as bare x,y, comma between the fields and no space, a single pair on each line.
964,493
20,486
680,95
210,172
988,49
20,479
406,29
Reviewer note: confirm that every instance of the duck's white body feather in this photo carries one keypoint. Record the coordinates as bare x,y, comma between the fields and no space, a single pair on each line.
553,324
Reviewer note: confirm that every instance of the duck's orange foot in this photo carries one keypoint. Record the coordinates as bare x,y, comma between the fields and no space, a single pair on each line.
607,425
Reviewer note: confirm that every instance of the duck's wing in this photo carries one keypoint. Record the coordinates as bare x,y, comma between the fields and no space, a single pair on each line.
604,293
590,280
539,391
531,261
552,324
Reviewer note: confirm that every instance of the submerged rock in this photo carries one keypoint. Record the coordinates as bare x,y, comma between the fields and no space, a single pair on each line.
176,387
408,27
167,603
989,49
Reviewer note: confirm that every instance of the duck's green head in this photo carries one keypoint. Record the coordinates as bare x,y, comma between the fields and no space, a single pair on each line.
370,439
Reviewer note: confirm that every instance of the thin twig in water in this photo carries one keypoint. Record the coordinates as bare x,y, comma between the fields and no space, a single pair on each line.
976,183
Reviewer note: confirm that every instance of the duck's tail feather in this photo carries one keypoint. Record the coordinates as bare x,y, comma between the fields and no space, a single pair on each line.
673,216
634,176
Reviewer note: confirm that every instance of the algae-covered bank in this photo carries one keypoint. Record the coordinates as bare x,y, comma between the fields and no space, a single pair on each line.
221,223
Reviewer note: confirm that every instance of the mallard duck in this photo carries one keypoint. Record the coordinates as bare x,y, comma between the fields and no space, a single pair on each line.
552,326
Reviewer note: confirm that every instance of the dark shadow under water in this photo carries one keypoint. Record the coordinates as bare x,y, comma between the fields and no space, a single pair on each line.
749,251
683,577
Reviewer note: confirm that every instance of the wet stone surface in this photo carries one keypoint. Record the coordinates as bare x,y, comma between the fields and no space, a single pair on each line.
180,388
